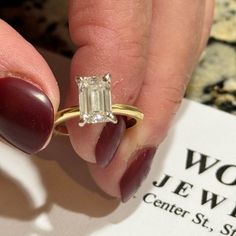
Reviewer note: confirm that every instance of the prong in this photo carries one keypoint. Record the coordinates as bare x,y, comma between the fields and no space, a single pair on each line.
107,78
79,79
82,122
80,82
112,118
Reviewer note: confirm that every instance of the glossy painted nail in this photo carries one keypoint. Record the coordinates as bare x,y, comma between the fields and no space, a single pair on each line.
136,172
109,141
26,115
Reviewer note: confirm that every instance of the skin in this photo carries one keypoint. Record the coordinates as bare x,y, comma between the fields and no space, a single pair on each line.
149,46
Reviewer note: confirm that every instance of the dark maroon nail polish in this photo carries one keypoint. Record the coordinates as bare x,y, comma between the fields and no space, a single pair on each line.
136,172
26,115
109,141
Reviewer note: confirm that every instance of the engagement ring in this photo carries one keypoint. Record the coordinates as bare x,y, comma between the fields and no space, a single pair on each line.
95,105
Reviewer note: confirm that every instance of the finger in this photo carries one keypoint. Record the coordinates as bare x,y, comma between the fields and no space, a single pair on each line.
28,93
111,37
175,38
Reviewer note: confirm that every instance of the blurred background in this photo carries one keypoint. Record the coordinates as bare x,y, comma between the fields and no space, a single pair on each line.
44,24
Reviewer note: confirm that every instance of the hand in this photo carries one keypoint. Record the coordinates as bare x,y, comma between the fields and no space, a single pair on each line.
149,47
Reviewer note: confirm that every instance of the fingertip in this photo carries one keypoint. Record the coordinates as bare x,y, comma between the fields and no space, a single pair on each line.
26,115
29,93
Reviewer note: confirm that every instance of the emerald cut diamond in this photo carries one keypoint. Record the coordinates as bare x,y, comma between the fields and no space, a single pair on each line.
95,100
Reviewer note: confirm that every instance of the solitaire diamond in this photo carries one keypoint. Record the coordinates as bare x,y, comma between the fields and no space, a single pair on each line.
95,100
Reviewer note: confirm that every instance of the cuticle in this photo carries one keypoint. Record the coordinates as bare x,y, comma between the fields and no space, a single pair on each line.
140,148
17,75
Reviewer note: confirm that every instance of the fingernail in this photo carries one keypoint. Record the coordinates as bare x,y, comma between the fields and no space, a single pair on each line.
26,115
136,172
109,141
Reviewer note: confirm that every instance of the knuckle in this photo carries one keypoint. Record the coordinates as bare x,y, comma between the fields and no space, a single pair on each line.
171,89
109,22
134,47
88,22
162,99
171,96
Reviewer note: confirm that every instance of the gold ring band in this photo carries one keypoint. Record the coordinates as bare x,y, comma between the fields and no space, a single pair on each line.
73,112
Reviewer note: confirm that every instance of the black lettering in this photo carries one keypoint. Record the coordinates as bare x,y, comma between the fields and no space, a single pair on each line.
178,211
149,195
221,171
233,214
182,188
172,208
226,229
213,199
157,203
198,218
165,206
163,181
202,160
184,213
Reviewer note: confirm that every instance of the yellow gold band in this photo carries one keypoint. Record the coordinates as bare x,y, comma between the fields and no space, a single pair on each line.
73,112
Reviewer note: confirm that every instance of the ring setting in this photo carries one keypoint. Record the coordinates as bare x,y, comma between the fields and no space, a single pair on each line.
95,105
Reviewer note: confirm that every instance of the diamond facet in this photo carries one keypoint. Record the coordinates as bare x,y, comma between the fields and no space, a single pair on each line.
95,100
